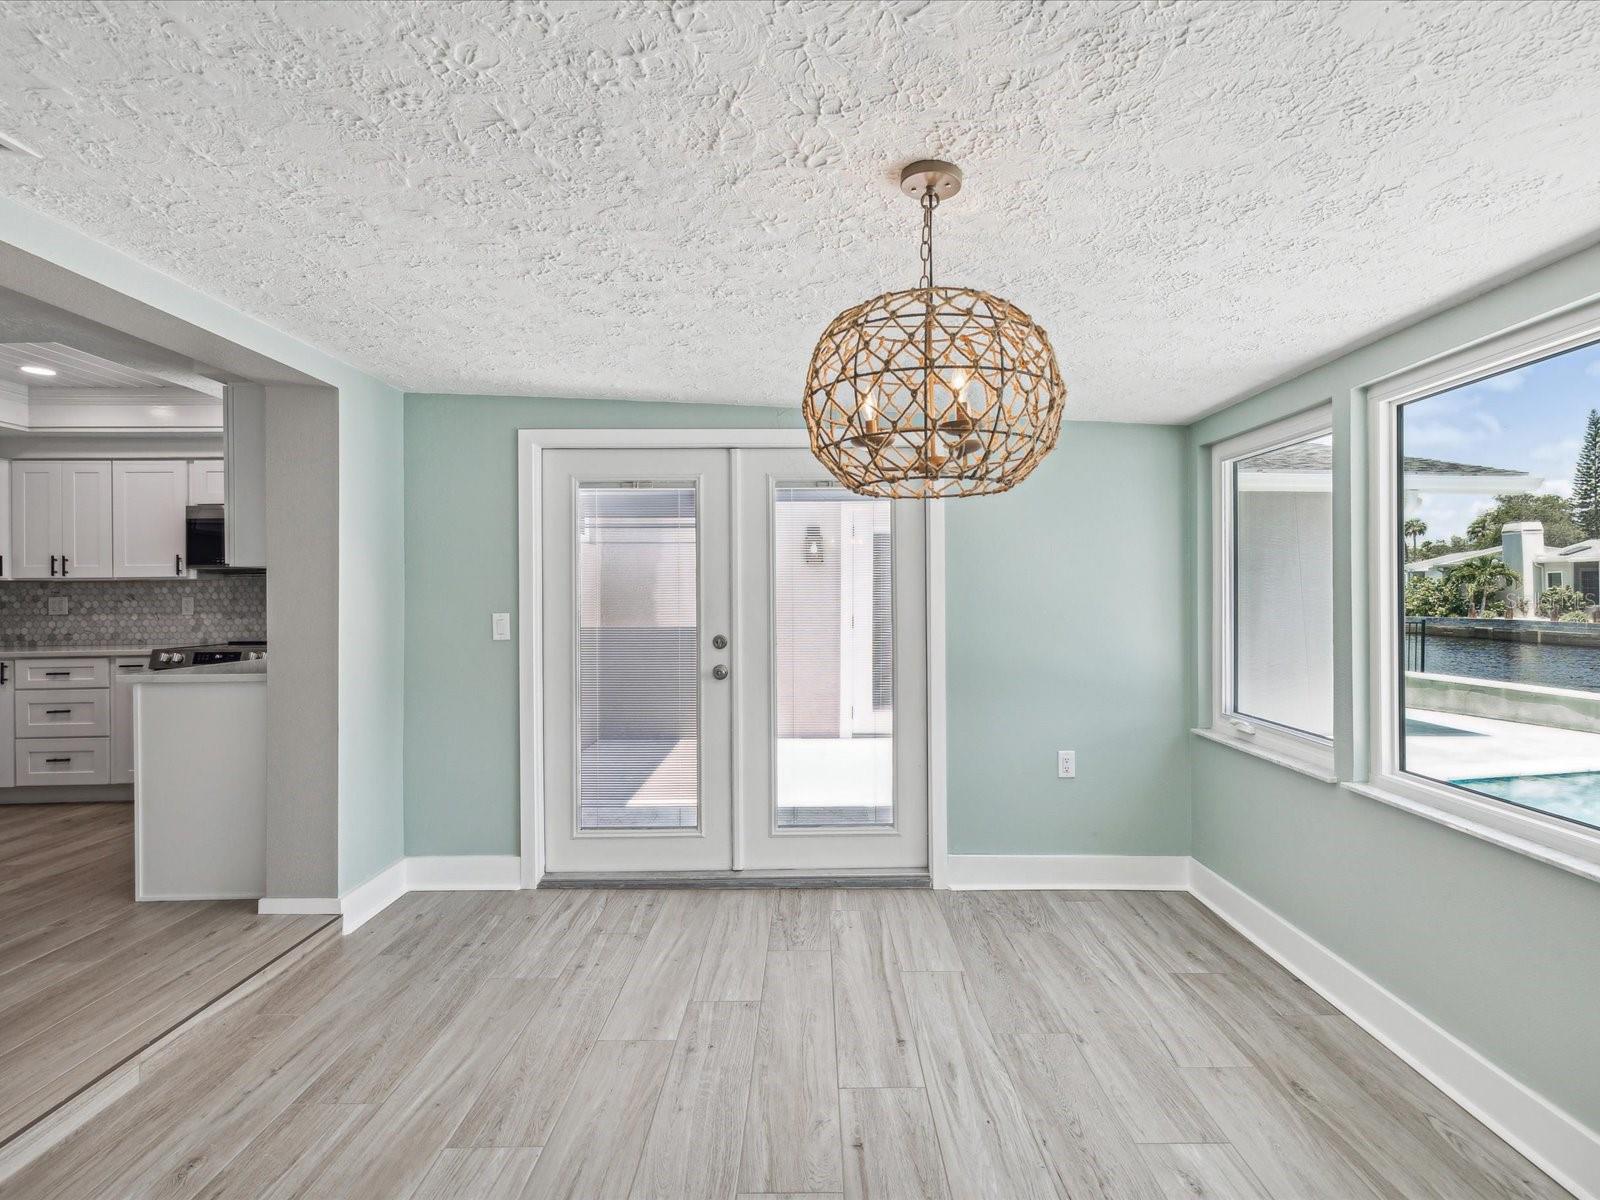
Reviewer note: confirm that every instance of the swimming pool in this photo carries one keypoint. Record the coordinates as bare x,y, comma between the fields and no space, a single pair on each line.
1575,796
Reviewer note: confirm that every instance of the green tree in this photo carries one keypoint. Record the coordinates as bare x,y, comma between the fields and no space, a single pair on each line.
1434,547
1479,579
1551,511
1414,529
1433,598
1586,480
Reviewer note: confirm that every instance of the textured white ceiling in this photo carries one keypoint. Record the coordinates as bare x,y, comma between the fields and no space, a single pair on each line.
658,201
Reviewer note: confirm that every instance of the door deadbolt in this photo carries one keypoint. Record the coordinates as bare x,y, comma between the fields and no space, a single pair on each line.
719,672
720,642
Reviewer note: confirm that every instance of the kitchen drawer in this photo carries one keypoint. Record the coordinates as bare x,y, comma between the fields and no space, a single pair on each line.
63,712
63,673
45,762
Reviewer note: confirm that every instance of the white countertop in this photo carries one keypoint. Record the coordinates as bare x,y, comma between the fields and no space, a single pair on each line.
75,651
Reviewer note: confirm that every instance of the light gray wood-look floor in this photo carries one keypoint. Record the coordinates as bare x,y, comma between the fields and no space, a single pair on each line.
861,1044
87,976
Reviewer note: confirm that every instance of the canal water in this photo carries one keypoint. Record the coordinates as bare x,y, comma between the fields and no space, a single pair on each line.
1511,662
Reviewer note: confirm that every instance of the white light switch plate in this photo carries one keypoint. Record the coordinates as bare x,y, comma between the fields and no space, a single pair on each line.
188,606
1067,764
501,624
58,606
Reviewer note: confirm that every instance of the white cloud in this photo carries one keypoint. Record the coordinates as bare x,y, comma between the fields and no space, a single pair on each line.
1509,382
1431,437
1565,451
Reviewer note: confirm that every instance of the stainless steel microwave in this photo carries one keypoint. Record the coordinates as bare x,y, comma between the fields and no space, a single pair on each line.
204,543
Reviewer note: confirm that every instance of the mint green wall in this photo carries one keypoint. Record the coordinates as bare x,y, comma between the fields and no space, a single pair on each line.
1064,633
1059,637
1500,950
461,565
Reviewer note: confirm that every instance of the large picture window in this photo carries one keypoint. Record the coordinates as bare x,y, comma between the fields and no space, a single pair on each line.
1486,589
1499,506
1273,610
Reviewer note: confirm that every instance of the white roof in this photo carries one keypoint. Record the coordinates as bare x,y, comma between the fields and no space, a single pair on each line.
1449,560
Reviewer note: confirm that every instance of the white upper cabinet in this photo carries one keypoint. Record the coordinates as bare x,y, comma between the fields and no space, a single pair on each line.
5,520
149,503
60,520
35,520
206,481
86,520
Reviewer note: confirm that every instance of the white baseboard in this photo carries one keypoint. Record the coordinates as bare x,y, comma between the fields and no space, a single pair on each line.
1556,1142
297,906
463,873
360,904
1165,872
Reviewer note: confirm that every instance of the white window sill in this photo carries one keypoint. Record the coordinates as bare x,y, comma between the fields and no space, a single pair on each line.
1585,861
1321,774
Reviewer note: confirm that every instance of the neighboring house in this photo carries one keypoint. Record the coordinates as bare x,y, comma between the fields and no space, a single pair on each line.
1538,567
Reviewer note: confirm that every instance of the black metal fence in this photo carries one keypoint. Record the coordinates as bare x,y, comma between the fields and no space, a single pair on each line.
1416,637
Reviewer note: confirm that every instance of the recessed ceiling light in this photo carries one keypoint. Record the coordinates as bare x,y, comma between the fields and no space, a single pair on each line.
32,369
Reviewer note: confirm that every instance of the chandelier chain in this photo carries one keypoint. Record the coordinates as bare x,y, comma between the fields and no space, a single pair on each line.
930,201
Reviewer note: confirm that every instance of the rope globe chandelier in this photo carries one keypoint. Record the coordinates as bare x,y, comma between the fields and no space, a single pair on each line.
932,391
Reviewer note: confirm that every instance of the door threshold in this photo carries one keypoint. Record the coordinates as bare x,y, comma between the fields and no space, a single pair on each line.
910,878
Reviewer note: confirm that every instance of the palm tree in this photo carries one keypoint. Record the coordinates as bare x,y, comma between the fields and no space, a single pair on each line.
1480,579
1414,529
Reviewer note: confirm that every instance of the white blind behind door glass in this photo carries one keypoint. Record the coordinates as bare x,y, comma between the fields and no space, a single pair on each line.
833,677
637,656
1283,586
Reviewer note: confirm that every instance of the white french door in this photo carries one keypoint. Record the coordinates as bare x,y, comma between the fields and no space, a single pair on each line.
733,667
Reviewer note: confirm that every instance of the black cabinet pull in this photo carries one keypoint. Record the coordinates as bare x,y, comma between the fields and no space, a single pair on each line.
57,674
63,566
52,566
2,674
177,564
56,760
57,712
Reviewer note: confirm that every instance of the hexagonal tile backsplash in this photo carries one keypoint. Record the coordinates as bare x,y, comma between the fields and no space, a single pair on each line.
133,612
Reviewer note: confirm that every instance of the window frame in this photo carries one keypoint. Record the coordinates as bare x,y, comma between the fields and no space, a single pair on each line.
1290,747
1548,838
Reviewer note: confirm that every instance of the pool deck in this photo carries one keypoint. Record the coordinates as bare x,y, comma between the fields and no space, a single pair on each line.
1451,747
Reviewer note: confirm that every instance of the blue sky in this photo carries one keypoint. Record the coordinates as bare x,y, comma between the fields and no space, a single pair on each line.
1530,419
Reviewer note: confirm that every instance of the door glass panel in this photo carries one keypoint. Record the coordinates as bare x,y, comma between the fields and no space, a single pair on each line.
638,671
833,666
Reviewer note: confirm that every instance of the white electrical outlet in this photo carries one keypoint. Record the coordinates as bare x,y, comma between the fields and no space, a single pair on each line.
500,624
1067,764
58,606
188,606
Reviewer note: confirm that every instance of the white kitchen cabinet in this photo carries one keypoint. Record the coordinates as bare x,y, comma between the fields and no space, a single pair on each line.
35,520
244,433
8,745
86,520
148,505
123,672
5,519
56,762
63,712
206,481
61,520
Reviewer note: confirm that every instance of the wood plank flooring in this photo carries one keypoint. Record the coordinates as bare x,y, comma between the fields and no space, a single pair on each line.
87,976
856,1044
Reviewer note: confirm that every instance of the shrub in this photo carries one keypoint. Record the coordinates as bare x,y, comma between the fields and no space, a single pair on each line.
1557,602
1575,618
1433,598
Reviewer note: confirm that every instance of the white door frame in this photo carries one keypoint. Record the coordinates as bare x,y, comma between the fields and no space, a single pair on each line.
531,443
